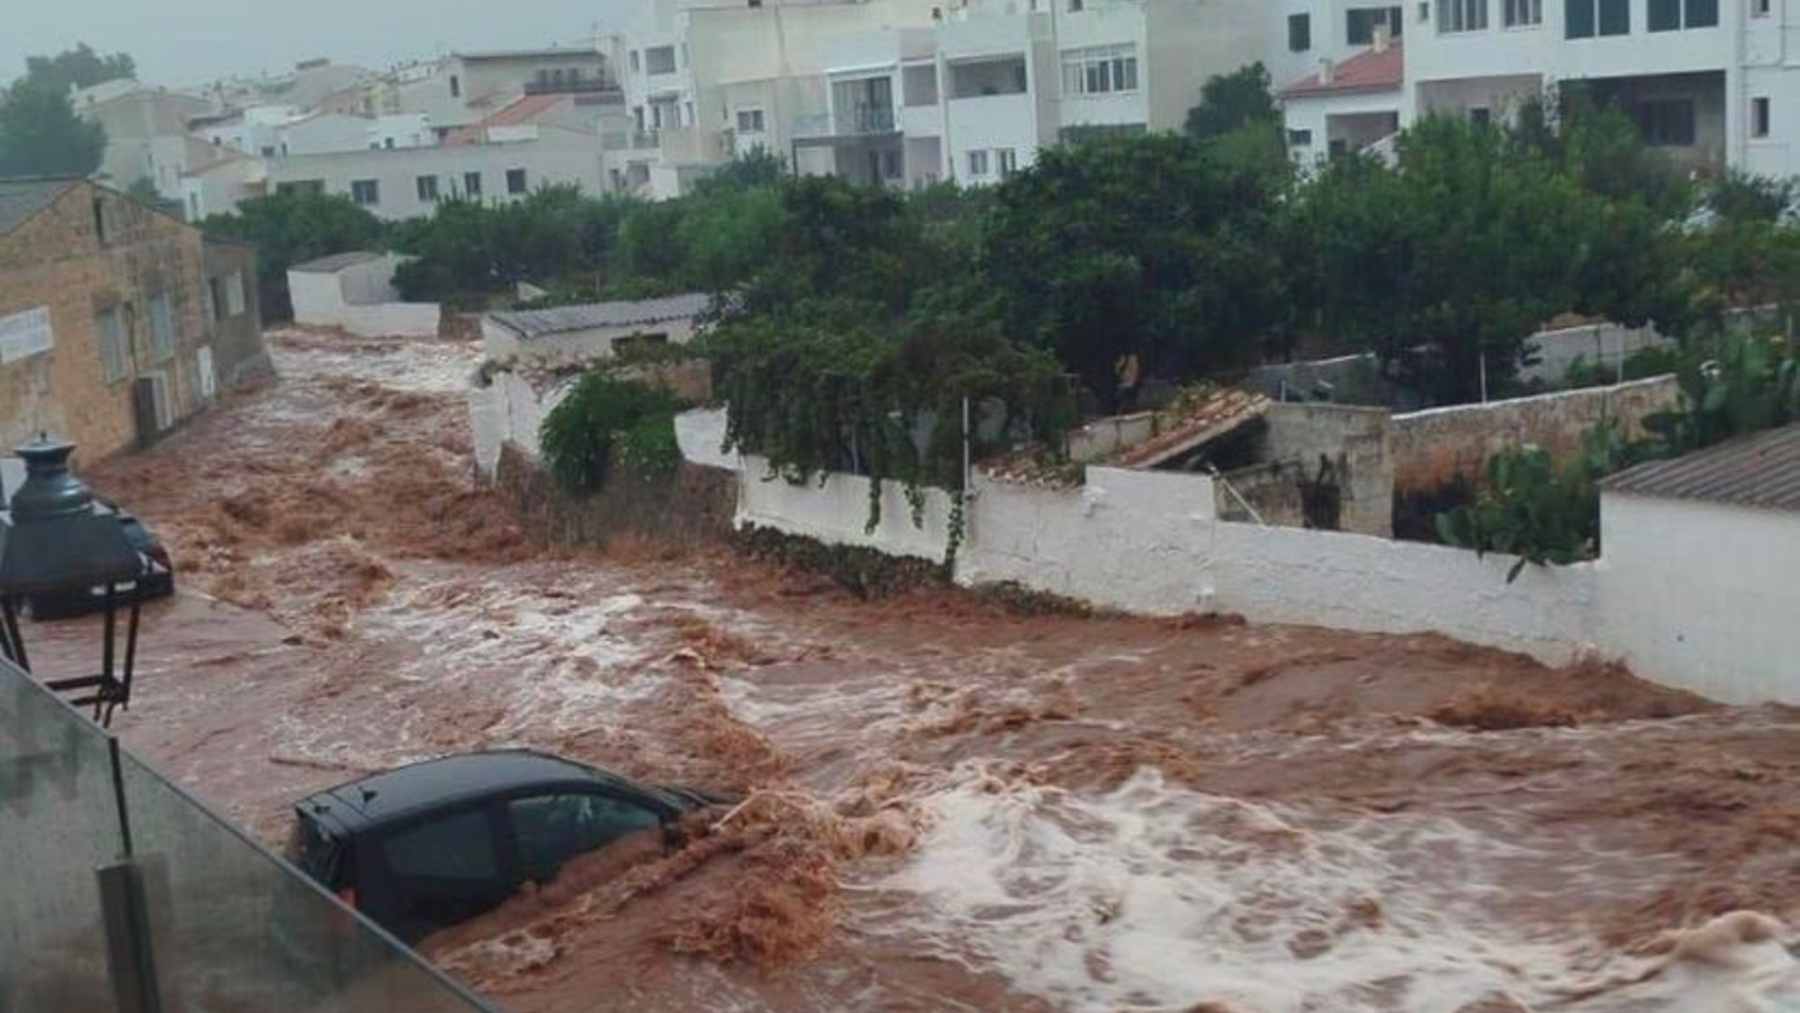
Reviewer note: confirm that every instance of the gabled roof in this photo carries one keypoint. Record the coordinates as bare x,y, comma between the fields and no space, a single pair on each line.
562,319
1760,470
525,110
1366,71
22,199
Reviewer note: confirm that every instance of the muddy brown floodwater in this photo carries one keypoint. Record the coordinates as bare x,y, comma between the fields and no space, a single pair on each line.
951,806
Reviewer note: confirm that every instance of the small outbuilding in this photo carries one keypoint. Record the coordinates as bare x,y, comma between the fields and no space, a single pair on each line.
355,291
1701,555
571,335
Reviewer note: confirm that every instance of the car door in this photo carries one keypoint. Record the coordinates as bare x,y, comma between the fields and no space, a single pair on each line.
552,827
440,870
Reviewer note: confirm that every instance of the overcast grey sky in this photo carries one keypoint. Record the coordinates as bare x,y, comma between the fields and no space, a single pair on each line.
182,42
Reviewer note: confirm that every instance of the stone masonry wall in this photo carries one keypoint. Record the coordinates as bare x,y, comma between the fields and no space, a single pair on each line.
58,260
1430,448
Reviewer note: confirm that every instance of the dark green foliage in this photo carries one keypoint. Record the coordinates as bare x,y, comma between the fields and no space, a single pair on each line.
1232,101
292,228
1536,512
1154,247
1744,197
40,135
469,248
1465,250
1743,384
759,167
80,67
606,419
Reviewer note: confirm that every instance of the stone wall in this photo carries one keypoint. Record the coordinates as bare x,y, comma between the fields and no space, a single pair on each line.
237,344
1327,460
60,261
694,505
1430,448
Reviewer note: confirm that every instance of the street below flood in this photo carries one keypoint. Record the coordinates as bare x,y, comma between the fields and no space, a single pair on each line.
952,804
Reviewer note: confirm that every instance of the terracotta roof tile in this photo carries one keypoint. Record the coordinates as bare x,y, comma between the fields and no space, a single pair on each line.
1366,71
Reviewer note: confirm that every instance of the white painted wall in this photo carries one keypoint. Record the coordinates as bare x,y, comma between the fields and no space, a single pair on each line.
1691,595
360,299
558,156
573,347
1703,596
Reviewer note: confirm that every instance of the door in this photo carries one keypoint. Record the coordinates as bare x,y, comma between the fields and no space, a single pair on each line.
144,409
551,829
438,872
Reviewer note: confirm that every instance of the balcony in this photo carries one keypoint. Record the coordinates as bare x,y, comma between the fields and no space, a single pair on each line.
866,120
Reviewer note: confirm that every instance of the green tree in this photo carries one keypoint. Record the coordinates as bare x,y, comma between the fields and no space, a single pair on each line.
292,228
80,67
1446,264
1153,247
40,135
1233,101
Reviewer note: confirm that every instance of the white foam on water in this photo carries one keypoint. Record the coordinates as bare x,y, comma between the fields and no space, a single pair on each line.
1159,897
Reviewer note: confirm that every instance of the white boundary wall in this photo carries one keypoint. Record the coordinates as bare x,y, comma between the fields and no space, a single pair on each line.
360,298
1714,617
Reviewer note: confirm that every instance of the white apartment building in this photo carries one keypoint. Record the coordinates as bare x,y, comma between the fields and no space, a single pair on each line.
1709,81
402,183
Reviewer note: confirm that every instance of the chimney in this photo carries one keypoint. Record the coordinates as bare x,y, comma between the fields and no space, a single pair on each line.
1327,70
1382,38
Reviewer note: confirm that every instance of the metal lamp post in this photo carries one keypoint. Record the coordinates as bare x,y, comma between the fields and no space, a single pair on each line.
55,539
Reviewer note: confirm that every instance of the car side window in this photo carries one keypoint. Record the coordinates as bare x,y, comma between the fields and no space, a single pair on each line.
551,829
456,848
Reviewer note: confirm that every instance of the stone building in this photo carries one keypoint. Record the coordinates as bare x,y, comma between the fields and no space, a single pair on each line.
116,321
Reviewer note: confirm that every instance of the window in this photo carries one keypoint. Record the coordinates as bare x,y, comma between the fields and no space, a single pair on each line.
193,207
428,190
1299,32
115,349
660,60
1759,117
978,163
1299,138
1008,159
162,327
100,220
301,186
890,165
1672,15
1100,70
515,181
553,829
268,151
1667,123
1074,6
636,68
1361,23
1522,13
460,847
1481,116
750,121
1462,16
214,303
1759,8
365,191
388,143
472,184
455,87
1588,18
234,293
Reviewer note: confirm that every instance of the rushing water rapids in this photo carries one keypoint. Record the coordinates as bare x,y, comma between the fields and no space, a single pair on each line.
950,805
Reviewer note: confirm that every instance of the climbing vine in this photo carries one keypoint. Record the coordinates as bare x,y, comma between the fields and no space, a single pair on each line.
837,394
605,419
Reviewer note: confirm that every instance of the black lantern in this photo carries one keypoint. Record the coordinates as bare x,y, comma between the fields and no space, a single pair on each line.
55,539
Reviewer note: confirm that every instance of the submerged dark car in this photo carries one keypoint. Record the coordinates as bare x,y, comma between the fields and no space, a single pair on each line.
425,846
158,580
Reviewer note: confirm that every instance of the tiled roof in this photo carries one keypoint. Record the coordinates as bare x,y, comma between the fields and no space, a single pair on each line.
1198,423
336,262
22,199
561,319
1366,71
525,110
1761,470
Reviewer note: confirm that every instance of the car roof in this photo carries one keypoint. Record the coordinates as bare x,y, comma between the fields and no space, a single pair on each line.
430,784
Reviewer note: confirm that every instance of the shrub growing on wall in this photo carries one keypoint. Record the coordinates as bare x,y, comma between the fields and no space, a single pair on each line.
606,420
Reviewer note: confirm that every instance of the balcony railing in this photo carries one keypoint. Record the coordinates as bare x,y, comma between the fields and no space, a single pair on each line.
868,120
